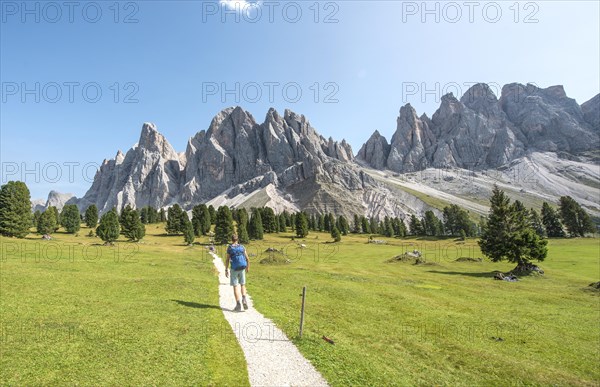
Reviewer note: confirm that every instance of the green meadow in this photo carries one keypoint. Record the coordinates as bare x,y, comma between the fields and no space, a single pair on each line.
76,312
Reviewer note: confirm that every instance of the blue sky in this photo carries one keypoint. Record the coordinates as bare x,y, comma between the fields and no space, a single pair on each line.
79,80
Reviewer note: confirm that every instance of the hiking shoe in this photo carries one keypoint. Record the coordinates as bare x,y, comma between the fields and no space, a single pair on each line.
245,303
238,307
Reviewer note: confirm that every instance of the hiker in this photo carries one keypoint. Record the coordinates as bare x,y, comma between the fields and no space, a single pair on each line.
236,254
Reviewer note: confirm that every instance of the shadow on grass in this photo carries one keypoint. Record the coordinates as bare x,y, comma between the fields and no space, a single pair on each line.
467,274
196,305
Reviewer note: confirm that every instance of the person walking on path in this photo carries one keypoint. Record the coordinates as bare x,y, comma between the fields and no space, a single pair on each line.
237,256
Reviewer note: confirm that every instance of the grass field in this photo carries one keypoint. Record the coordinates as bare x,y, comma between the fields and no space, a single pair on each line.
134,314
148,313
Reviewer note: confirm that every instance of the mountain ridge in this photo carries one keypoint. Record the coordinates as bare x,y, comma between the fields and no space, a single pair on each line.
285,163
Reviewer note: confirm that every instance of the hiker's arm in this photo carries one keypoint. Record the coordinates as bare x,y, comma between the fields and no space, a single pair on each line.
227,266
247,260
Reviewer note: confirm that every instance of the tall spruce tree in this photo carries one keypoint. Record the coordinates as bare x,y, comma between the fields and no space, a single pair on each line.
70,218
175,214
109,229
223,225
508,235
91,216
536,223
242,226
188,232
335,234
551,221
255,226
131,224
574,217
301,225
15,209
344,227
213,214
47,222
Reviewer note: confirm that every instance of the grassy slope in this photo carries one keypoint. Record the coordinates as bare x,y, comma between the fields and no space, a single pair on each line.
404,324
119,322
144,314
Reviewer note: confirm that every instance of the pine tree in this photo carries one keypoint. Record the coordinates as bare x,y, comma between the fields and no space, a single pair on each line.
365,225
268,219
163,216
403,231
374,226
109,229
388,226
36,217
536,223
321,222
335,234
56,216
188,232
344,227
356,227
327,223
223,225
431,224
574,217
153,216
242,226
213,214
551,221
507,234
456,219
175,213
131,224
201,219
91,216
301,225
255,227
282,225
46,223
15,209
313,223
415,226
70,218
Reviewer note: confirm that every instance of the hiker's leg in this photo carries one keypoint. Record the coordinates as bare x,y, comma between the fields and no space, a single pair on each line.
243,282
236,293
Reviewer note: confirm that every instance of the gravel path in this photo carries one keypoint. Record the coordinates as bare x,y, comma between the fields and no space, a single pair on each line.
273,360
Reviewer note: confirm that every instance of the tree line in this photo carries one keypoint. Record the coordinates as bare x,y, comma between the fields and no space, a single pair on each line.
16,220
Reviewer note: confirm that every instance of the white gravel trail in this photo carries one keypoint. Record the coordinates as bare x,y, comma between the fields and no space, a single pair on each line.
273,360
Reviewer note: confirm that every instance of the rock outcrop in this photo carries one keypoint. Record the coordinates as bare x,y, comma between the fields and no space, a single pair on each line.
483,132
283,163
59,200
591,113
149,174
375,151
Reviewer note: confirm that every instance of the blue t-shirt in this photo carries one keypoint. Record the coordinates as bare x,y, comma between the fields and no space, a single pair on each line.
237,257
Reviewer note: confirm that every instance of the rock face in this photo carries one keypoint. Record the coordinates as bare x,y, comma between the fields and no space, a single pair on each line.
283,163
591,113
375,151
59,200
481,131
149,174
38,205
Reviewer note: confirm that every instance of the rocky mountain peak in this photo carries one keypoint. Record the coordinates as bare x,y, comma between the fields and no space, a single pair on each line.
375,151
481,98
591,112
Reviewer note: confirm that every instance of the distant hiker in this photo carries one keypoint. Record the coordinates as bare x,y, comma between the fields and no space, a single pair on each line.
236,254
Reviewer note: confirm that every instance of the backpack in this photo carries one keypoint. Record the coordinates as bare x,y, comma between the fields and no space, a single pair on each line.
237,257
